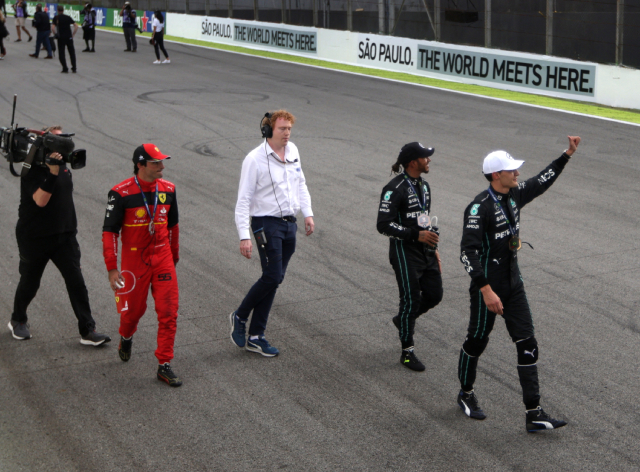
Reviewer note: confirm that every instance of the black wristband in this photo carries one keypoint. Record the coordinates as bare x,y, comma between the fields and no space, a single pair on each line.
49,183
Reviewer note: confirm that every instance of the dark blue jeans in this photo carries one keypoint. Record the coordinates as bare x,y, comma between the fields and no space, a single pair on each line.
42,39
281,244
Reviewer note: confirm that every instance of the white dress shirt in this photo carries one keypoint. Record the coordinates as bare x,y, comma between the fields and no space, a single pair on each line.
270,187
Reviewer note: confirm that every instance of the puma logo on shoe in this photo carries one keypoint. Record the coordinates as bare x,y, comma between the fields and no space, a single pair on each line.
531,353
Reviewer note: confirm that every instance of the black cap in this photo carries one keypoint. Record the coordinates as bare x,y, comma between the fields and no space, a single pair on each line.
412,151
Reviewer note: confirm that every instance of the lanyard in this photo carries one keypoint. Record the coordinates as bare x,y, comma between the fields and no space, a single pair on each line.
155,205
423,205
495,199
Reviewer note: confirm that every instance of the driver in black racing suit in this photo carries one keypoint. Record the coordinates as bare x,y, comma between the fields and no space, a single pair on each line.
490,241
404,216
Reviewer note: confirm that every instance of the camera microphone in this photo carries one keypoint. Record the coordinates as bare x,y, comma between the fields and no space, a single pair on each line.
60,144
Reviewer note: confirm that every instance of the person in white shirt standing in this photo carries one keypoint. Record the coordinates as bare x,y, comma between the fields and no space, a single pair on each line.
272,191
157,37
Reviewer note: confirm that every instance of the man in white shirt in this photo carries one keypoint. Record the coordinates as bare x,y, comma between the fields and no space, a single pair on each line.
272,191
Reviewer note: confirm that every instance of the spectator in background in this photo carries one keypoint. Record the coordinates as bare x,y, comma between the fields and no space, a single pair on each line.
20,8
157,37
89,27
3,34
65,38
43,27
129,23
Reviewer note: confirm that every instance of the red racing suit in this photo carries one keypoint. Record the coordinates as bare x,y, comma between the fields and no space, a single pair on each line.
147,259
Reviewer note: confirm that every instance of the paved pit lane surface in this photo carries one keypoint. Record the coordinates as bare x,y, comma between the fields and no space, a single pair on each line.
337,397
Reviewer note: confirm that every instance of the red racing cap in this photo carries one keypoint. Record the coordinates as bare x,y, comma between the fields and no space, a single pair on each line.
148,152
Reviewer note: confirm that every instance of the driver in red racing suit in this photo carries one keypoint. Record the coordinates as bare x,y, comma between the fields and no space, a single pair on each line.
145,208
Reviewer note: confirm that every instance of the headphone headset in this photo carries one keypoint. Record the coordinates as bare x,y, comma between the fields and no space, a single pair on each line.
267,132
265,126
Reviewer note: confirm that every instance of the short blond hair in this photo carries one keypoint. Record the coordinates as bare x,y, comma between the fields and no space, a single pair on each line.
49,129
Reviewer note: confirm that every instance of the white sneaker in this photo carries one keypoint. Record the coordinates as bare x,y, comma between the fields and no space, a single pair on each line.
157,62
166,61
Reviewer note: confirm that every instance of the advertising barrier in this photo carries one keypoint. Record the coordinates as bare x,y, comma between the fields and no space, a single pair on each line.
104,16
508,70
267,36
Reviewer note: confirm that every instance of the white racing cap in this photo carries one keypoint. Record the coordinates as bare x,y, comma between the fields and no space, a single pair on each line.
499,160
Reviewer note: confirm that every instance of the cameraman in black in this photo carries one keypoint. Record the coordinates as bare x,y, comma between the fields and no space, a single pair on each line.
129,24
89,27
46,230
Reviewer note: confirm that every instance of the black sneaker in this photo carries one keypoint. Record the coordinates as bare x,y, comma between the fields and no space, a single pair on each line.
86,50
19,331
469,404
396,321
124,349
538,420
166,375
409,359
94,339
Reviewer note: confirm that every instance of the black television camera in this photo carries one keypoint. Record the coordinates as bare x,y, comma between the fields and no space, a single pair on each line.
33,147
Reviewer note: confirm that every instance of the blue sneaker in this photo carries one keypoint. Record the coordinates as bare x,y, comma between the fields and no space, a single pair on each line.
262,346
238,330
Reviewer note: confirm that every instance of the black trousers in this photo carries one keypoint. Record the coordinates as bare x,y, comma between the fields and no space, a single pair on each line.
130,38
63,250
68,43
519,324
419,284
159,44
274,258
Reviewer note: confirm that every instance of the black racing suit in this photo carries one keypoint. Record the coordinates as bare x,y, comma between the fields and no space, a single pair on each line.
488,260
417,272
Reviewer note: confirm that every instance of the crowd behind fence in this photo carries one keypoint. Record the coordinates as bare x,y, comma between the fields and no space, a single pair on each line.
603,31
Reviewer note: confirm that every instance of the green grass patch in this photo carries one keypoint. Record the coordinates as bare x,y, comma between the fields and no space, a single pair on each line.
630,116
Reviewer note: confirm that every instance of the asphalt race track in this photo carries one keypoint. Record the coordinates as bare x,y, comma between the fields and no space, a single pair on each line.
337,397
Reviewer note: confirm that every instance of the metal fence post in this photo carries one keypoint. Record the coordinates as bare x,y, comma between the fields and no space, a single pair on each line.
283,13
255,10
619,31
230,8
436,19
549,34
186,6
206,7
381,16
487,23
328,14
315,13
349,16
